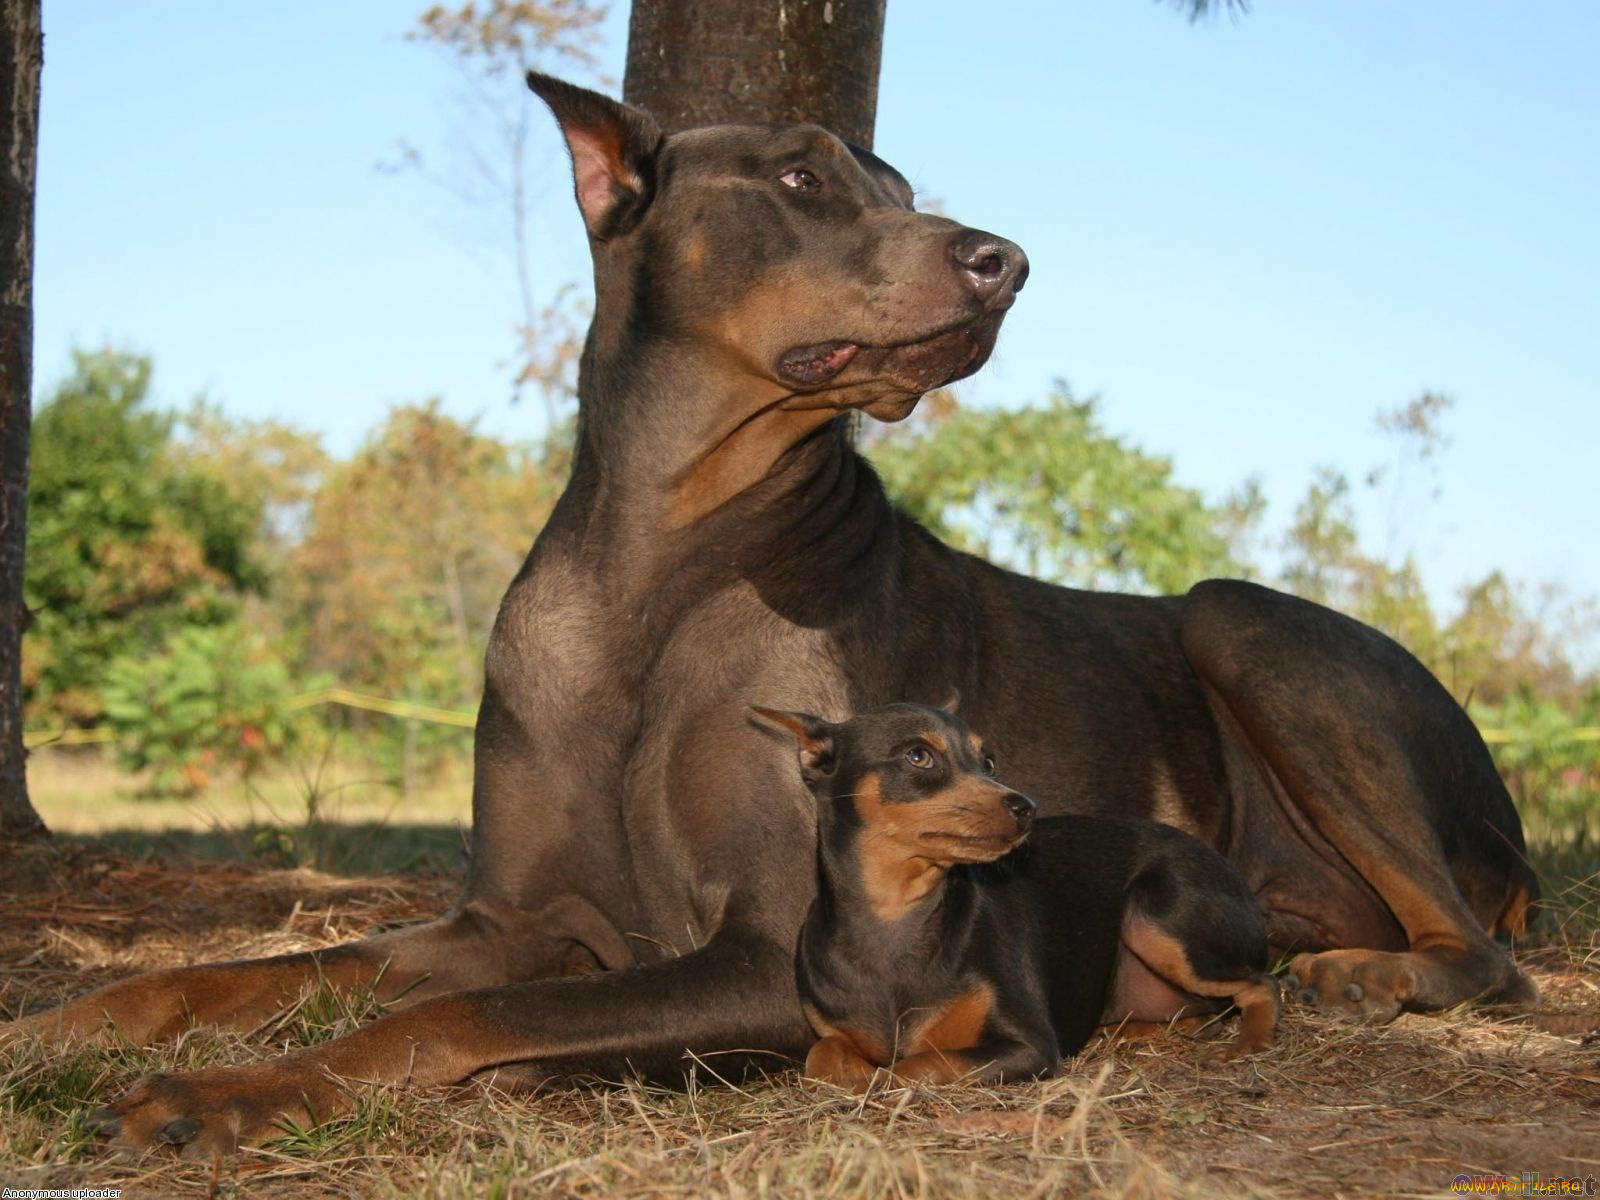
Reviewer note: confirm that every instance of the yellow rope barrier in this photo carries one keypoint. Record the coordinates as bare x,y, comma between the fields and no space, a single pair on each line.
381,704
333,695
1500,737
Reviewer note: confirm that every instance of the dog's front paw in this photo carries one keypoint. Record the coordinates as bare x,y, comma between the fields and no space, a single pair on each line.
210,1113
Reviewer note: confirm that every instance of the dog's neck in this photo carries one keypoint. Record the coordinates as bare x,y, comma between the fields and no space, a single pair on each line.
681,435
869,886
669,478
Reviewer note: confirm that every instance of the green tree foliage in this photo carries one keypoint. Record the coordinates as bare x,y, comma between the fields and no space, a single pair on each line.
271,469
215,697
1551,758
408,548
1047,490
127,542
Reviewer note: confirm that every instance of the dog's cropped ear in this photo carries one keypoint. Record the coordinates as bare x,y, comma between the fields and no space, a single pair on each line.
813,733
952,701
613,150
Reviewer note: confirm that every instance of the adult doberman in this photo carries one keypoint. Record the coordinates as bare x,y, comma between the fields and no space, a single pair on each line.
721,544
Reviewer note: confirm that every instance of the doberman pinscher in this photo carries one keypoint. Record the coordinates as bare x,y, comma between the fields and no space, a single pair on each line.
939,949
720,543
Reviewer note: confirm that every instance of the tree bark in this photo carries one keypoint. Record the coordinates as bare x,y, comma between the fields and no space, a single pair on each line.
21,59
708,62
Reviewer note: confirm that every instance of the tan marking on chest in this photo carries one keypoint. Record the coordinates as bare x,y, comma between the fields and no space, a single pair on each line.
957,1024
894,872
737,459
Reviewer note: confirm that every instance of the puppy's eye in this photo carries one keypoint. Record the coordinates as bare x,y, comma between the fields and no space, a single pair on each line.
801,180
988,764
920,756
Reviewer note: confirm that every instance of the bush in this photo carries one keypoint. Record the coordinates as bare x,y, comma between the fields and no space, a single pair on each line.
1549,762
216,698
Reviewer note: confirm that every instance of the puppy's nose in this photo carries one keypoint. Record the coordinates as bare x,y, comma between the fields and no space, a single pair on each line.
993,268
1020,807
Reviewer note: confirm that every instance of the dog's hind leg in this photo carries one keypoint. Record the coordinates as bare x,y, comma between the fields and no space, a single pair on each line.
1348,760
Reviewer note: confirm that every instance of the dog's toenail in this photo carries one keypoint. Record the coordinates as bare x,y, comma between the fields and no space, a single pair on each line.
1291,983
1308,996
1355,992
180,1132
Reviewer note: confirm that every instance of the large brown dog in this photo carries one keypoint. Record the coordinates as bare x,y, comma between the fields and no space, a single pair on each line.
720,544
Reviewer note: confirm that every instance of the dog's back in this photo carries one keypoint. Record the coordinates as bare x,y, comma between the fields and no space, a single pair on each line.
1140,922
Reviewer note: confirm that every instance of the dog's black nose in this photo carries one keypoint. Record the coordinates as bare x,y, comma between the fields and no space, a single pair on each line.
994,268
1020,807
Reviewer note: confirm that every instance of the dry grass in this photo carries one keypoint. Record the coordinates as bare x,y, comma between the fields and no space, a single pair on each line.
1335,1109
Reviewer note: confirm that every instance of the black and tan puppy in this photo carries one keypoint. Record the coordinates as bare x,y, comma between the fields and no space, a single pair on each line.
939,948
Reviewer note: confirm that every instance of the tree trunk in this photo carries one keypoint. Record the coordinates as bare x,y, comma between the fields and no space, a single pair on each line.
21,58
708,62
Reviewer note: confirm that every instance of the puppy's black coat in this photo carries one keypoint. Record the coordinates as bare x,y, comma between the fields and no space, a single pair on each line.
940,947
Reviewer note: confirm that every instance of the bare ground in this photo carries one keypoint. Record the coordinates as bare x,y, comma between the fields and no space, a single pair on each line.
1334,1109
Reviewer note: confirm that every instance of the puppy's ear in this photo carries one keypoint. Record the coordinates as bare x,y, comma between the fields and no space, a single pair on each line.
613,150
813,733
952,701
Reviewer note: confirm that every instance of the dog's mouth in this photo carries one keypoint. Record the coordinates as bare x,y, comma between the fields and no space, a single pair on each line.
971,847
912,367
811,366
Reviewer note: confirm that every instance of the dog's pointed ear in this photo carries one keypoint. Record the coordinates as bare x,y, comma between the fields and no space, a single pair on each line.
952,701
613,148
813,733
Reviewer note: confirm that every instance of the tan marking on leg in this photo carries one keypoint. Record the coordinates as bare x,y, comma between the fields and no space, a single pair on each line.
1255,995
835,1060
935,1066
1449,959
1258,1016
864,1044
1513,920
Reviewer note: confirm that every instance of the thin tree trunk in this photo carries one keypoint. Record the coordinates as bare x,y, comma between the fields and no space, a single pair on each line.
707,62
21,59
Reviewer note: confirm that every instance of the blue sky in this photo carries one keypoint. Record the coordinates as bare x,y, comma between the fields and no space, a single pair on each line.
1247,236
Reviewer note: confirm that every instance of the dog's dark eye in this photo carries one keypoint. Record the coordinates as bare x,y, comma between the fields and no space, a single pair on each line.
801,180
988,764
920,756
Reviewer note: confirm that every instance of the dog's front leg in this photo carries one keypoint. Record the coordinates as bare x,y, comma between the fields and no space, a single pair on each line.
736,993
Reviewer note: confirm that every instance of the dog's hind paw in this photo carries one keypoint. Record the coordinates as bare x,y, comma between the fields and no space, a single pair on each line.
1360,984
